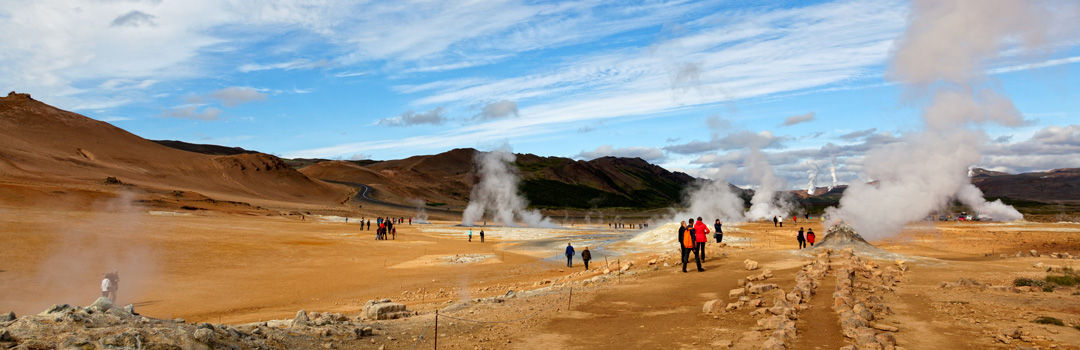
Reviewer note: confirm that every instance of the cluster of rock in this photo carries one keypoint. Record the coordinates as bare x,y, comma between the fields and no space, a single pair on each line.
1050,268
105,326
971,284
860,314
1019,334
1055,255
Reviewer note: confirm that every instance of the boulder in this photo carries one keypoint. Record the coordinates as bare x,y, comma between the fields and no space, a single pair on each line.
774,343
102,303
771,322
383,310
750,264
301,319
712,306
761,288
10,316
204,335
58,309
1033,252
737,292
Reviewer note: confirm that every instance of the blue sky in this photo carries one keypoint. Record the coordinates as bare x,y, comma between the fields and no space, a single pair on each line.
684,84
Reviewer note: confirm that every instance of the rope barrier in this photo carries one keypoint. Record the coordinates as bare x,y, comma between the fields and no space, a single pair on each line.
421,336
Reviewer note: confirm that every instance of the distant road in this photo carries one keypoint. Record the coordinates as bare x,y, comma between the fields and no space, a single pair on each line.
366,192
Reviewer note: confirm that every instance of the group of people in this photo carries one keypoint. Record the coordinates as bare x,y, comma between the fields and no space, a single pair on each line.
808,237
481,235
692,238
586,256
632,226
110,285
386,229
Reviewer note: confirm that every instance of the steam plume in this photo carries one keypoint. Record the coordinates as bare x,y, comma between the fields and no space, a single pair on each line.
832,171
813,180
498,193
942,54
765,204
713,200
421,212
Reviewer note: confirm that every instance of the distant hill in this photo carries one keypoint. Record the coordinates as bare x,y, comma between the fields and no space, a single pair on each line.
553,182
1059,186
42,144
213,150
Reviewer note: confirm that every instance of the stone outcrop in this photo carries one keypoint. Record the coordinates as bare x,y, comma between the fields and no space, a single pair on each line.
384,309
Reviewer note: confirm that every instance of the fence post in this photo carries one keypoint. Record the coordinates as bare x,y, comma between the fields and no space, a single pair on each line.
436,328
570,299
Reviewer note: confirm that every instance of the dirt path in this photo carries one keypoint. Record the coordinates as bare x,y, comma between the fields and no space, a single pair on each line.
818,326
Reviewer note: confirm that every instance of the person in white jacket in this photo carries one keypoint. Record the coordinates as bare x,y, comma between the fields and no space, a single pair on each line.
105,284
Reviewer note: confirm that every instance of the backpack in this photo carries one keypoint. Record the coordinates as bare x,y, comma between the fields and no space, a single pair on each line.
688,238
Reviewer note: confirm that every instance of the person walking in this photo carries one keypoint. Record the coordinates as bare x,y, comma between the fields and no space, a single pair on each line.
689,244
393,233
774,221
569,255
701,235
719,233
801,238
481,235
470,235
810,236
105,285
114,283
684,247
586,256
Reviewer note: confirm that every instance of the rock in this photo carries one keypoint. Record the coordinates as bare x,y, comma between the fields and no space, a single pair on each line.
865,336
301,319
102,303
773,344
206,336
384,310
884,327
130,309
10,316
1038,265
862,311
886,340
1003,339
1033,252
771,322
5,336
652,262
737,292
711,306
732,306
750,264
761,288
58,308
1011,332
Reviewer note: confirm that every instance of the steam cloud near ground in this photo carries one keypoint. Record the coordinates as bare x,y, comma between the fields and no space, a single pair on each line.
497,193
86,245
929,169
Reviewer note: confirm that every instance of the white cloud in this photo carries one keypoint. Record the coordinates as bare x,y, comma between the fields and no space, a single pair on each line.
646,153
798,119
134,18
193,112
236,95
498,110
409,118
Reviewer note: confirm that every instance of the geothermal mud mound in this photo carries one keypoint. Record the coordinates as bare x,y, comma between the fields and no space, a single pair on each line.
842,236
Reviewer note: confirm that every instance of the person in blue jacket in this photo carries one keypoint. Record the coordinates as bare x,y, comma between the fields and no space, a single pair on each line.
569,255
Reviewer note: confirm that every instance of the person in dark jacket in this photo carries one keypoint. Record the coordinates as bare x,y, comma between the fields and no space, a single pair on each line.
481,235
801,238
691,243
569,255
685,244
774,221
719,233
586,256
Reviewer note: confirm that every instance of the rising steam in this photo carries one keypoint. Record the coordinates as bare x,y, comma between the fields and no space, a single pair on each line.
713,200
497,193
812,174
942,55
765,203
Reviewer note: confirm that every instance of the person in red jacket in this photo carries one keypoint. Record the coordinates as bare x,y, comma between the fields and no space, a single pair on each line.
701,235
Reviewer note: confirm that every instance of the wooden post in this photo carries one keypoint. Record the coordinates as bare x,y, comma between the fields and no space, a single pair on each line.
436,328
568,299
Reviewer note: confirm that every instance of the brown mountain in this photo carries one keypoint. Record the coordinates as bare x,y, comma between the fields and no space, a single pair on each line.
1054,186
213,150
546,181
43,144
